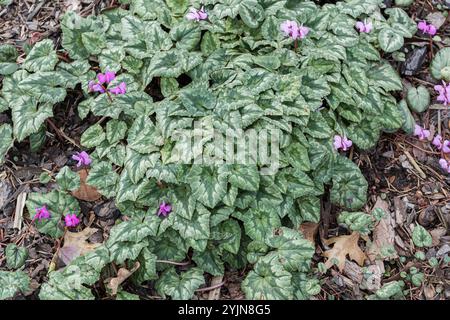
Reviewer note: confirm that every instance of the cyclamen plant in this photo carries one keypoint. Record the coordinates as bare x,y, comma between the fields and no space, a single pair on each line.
82,158
364,26
444,93
426,28
103,80
41,213
71,220
197,15
342,143
242,74
421,133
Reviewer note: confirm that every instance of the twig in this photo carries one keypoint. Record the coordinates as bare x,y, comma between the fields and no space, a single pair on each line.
210,288
61,134
415,165
174,263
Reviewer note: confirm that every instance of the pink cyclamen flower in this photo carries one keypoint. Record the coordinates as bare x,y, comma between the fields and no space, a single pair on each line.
42,213
96,87
120,89
437,142
421,133
427,28
293,30
444,93
342,143
197,15
71,220
444,165
446,146
82,158
107,77
363,26
164,209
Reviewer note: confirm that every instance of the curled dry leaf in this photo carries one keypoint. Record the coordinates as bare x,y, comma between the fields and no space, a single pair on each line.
76,244
86,192
122,275
436,235
343,246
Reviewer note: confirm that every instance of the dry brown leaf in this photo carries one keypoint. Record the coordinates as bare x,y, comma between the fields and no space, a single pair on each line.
86,192
309,231
383,233
343,246
75,244
436,235
122,275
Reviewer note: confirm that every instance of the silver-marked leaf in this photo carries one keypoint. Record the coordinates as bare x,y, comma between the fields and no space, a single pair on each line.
42,57
8,56
103,178
180,287
93,136
245,177
13,282
418,98
384,76
6,140
268,281
186,35
209,261
15,256
390,40
440,63
28,116
67,179
208,184
115,130
251,13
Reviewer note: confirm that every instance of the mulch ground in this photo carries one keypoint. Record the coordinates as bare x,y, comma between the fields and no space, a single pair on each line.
403,175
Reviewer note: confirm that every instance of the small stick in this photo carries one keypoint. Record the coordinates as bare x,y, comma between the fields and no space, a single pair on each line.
415,165
61,134
174,263
211,288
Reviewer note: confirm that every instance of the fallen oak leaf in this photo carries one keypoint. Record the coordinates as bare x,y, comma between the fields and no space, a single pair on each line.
86,192
76,244
122,275
343,246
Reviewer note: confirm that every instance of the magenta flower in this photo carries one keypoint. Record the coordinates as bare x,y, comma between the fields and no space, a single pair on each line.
120,89
197,15
444,93
444,165
103,80
446,146
71,220
82,158
42,213
421,133
96,87
293,30
164,209
108,77
437,142
364,26
342,143
426,28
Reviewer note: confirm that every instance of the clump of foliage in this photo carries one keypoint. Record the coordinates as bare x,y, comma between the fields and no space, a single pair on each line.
244,74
